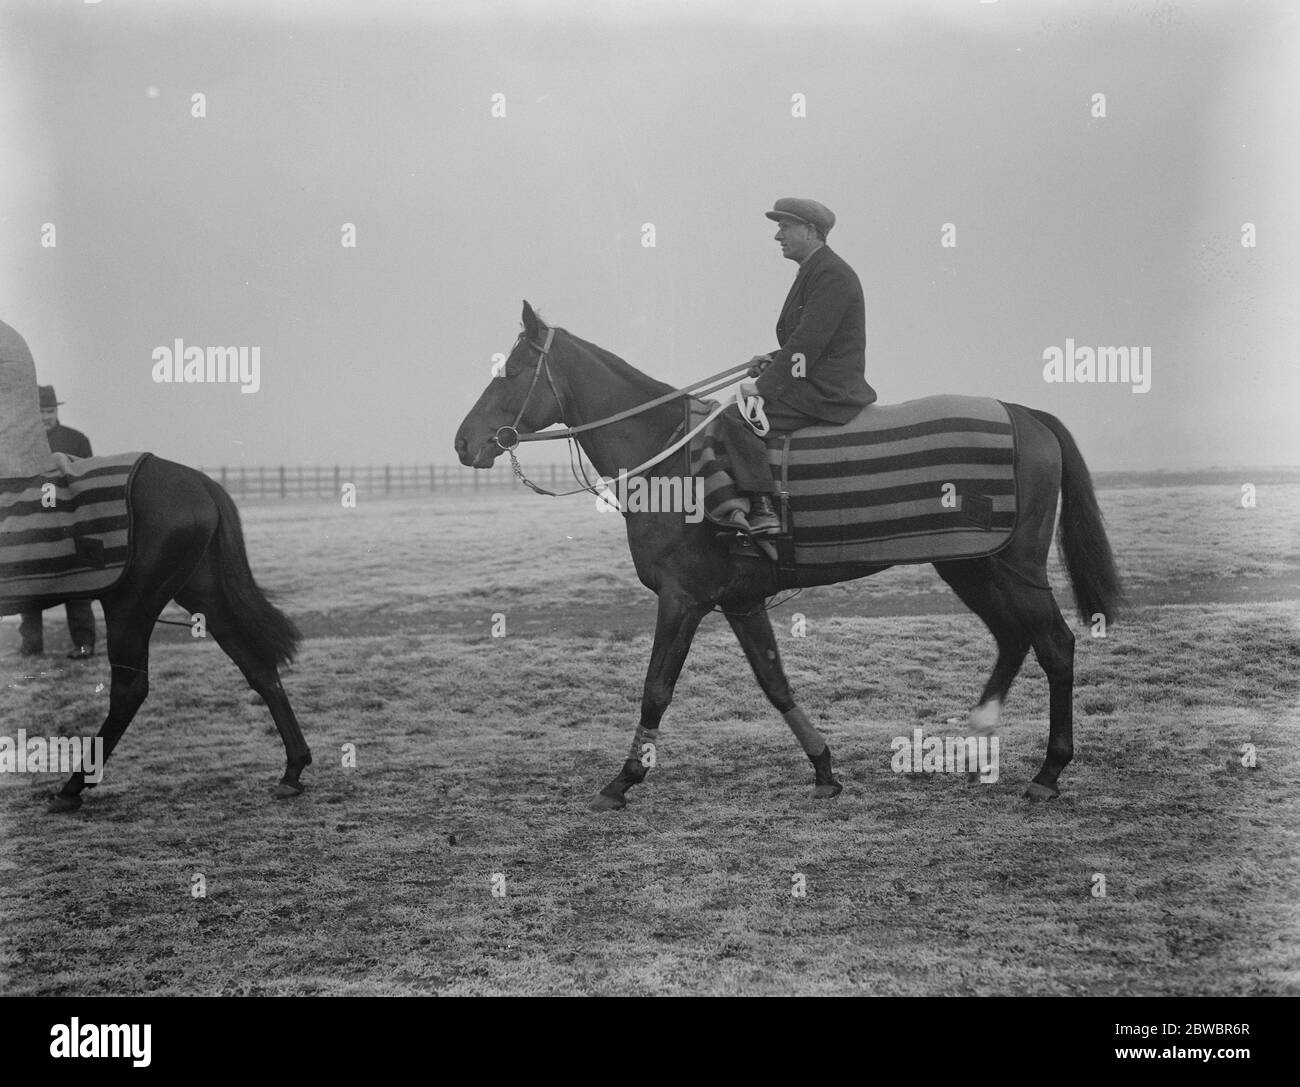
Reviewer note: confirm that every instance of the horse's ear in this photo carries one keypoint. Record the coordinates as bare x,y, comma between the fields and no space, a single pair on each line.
530,321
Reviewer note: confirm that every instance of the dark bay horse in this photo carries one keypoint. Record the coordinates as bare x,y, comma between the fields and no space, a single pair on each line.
189,546
552,376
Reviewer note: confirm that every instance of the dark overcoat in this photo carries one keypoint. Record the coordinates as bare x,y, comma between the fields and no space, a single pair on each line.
63,439
824,319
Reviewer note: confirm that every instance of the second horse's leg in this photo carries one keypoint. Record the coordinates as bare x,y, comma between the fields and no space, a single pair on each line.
128,636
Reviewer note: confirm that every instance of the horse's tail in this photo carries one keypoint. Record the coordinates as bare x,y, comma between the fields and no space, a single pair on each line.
269,632
1081,536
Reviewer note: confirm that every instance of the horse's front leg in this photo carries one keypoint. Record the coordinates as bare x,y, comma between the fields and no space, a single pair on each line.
754,630
675,627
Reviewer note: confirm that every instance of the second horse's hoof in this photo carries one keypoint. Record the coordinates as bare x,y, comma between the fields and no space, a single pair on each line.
284,791
62,802
1036,792
608,803
825,792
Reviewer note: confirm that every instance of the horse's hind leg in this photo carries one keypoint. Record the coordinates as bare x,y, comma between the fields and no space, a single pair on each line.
1021,615
973,582
128,632
1054,648
203,594
130,612
754,630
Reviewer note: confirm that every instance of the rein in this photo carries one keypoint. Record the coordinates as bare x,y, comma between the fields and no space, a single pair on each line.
511,442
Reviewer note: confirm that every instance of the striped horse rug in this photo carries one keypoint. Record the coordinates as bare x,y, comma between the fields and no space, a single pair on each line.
923,481
65,534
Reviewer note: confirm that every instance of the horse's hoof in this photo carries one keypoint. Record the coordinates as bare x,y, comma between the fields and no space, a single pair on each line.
61,802
1036,792
825,792
284,790
608,803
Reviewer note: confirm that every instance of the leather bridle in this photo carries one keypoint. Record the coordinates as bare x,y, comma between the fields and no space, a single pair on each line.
507,438
542,365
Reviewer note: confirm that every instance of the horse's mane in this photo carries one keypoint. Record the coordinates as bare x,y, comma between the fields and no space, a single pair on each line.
623,369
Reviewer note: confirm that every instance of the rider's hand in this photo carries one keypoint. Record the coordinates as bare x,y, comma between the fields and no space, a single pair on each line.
758,364
748,388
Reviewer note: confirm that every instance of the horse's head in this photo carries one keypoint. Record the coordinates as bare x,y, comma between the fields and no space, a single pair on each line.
521,397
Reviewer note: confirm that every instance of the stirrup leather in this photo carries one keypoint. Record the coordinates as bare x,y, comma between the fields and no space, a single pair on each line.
751,410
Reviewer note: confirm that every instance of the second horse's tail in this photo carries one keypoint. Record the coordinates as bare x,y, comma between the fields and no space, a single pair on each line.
270,632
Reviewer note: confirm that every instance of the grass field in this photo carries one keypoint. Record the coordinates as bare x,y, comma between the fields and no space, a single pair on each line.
476,757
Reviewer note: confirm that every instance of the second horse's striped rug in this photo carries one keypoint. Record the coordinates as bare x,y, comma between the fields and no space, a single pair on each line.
66,533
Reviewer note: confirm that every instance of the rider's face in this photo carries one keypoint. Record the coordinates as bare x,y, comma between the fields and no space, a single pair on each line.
797,240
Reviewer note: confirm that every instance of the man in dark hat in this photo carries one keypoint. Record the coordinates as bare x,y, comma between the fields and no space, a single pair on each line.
62,439
818,374
81,619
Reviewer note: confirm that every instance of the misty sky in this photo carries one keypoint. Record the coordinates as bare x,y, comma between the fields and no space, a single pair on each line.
225,230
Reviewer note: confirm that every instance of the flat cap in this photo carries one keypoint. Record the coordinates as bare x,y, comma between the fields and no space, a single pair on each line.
803,211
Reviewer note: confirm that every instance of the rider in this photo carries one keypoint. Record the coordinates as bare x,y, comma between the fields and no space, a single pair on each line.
817,375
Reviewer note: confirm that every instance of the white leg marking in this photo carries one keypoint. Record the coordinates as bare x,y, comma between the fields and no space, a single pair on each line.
983,720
